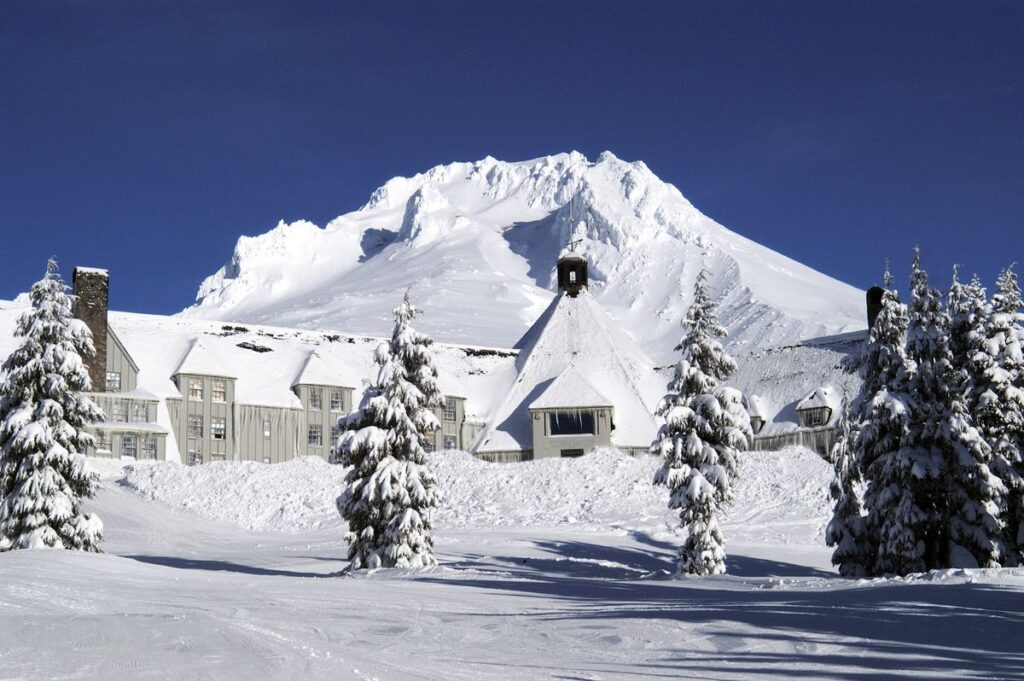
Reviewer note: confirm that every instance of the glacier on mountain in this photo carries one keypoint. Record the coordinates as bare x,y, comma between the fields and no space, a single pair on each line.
477,244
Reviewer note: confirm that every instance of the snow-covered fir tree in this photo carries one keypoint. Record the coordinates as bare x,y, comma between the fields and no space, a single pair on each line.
949,480
389,491
881,413
998,406
846,530
705,425
43,421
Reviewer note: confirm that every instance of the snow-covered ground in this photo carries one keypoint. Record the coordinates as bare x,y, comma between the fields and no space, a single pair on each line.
550,569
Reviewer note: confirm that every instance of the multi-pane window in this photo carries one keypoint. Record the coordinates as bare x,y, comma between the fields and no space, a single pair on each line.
817,417
129,446
113,381
103,440
337,401
149,448
266,429
429,446
139,412
335,432
119,411
195,453
315,435
449,409
218,390
195,389
218,428
450,441
316,398
195,425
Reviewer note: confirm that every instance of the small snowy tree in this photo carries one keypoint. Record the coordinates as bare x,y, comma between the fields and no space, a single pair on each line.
389,491
846,530
705,426
43,421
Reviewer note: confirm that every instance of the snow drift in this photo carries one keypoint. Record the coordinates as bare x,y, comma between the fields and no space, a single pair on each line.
781,497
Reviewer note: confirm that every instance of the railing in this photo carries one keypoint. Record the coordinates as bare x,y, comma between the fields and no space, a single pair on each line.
819,440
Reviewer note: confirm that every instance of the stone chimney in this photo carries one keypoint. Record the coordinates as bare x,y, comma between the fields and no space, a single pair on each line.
92,288
874,297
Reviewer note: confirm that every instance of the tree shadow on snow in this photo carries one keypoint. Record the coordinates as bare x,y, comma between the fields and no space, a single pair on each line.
223,566
886,628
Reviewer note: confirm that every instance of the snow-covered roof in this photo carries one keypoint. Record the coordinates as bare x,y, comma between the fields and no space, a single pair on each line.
92,270
577,333
266,361
570,390
199,360
824,396
756,406
318,371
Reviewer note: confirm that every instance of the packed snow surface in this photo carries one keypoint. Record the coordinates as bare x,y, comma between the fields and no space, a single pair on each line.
478,242
551,569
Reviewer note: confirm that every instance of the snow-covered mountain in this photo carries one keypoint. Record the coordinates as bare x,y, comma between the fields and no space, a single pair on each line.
477,243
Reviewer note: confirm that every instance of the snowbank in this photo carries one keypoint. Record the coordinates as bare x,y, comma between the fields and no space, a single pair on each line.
780,496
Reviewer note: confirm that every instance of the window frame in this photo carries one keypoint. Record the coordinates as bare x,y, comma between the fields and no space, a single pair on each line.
310,430
316,398
119,408
341,401
191,430
107,382
195,389
218,423
134,439
148,451
454,439
218,386
581,415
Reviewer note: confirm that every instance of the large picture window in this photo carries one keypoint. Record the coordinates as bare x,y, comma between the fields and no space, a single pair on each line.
571,423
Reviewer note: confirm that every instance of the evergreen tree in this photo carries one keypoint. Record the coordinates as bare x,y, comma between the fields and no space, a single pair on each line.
705,426
881,412
949,485
847,530
389,491
998,406
43,421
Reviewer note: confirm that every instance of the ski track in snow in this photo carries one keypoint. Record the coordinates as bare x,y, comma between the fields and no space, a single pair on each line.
231,571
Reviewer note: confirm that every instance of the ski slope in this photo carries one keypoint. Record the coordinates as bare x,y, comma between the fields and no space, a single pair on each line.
550,569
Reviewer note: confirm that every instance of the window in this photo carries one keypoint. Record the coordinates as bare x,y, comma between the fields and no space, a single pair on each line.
316,398
195,389
140,414
817,417
103,440
429,446
218,390
337,401
335,433
266,429
451,441
315,435
571,423
217,428
195,453
195,425
449,409
149,448
129,446
113,381
119,411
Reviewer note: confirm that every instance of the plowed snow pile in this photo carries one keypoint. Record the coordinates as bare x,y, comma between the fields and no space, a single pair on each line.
780,496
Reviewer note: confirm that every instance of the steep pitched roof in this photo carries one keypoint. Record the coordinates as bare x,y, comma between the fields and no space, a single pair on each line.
199,360
570,390
577,333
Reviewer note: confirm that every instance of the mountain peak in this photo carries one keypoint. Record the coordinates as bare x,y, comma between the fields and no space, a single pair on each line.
478,242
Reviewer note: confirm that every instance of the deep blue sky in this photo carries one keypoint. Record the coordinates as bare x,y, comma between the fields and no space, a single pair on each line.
146,136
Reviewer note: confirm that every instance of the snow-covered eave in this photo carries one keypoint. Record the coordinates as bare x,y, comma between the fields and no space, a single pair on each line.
125,426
